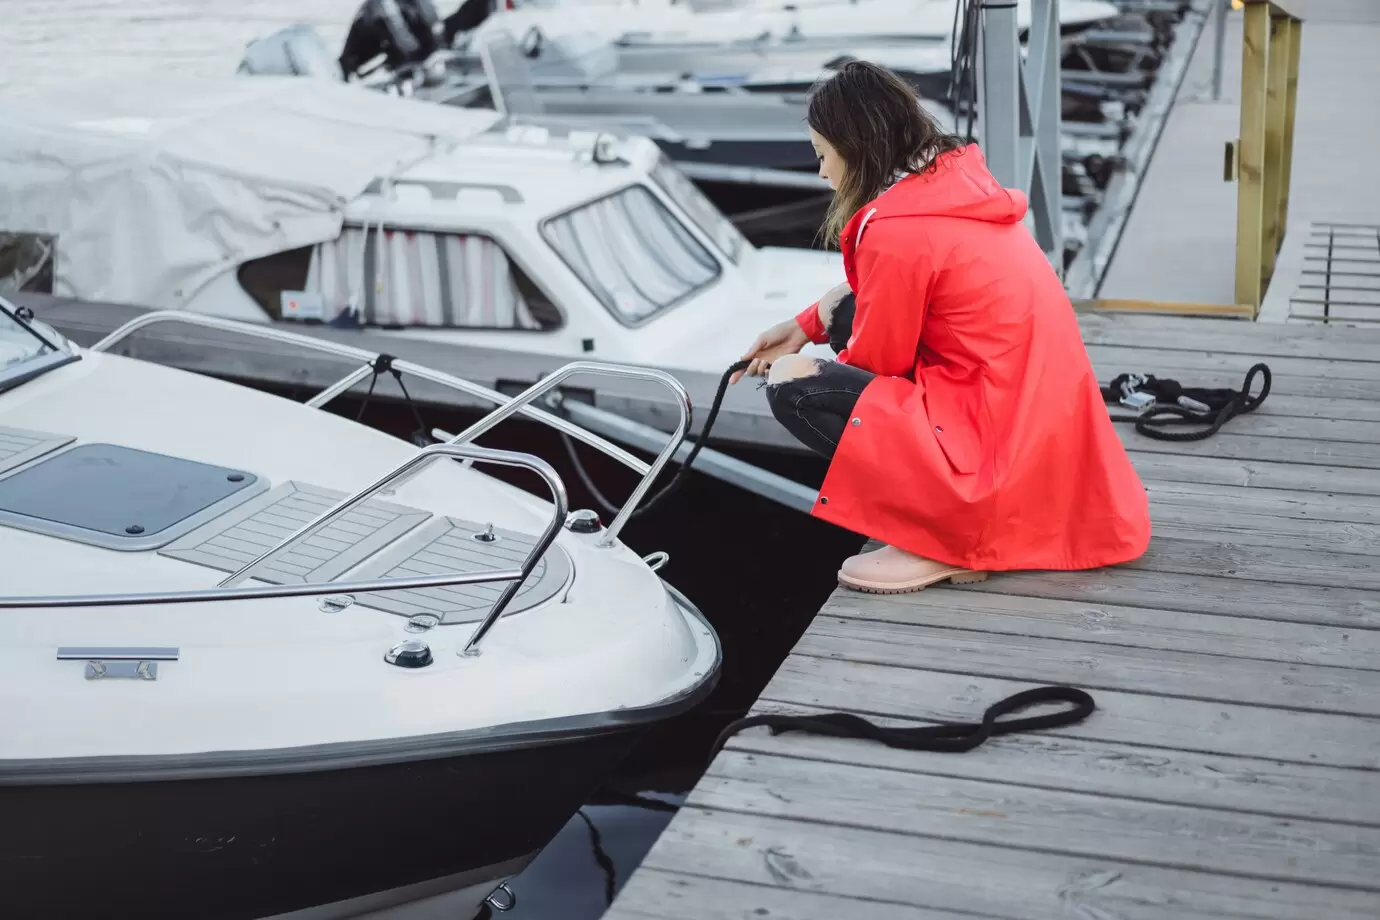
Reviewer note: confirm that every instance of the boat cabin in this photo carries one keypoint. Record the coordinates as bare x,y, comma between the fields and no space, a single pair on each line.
425,220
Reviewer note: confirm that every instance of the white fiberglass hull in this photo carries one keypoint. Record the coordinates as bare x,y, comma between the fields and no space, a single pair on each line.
265,756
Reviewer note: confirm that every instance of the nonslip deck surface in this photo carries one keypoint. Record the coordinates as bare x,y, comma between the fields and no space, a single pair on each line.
1230,770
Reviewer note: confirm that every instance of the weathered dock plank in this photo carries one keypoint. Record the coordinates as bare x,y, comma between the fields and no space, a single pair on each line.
1260,474
1292,603
1190,522
655,893
1108,768
965,878
1232,768
1254,341
1317,506
1203,675
1143,628
1052,820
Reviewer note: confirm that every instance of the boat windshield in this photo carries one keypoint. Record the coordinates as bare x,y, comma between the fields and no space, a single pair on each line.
697,205
24,354
632,252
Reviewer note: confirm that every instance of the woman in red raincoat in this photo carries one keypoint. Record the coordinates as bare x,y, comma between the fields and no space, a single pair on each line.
965,426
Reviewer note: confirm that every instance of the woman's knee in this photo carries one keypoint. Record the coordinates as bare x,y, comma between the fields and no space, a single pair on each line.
792,367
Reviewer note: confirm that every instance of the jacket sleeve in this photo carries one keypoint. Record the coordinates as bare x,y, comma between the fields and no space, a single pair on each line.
809,322
892,300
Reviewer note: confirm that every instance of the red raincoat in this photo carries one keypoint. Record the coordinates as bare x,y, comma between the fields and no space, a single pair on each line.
984,442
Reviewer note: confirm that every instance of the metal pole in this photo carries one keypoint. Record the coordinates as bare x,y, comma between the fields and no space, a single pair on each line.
1000,100
1020,113
1043,87
1221,41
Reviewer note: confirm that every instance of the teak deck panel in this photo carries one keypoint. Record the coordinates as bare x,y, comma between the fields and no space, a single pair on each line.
1233,766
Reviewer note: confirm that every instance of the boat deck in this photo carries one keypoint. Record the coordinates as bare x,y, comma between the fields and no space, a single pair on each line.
1179,241
1230,769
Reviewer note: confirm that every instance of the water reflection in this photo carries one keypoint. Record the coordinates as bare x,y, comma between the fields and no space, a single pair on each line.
578,874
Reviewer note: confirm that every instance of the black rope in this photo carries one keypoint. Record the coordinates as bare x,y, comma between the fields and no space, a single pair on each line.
684,467
963,50
1176,404
364,403
599,498
383,364
946,737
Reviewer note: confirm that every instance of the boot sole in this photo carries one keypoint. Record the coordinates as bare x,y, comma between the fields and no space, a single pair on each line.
956,578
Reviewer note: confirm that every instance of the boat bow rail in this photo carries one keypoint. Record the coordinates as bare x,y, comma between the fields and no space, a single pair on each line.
457,447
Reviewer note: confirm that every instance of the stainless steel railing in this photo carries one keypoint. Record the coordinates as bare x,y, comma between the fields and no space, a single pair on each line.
507,406
423,457
456,447
325,346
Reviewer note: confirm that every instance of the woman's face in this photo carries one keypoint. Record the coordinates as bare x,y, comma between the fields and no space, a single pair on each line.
830,163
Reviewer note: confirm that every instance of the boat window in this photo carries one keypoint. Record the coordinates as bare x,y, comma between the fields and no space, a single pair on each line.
24,353
17,343
436,280
706,215
632,252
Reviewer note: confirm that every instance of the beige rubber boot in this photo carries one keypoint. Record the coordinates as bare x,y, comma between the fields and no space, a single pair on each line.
894,571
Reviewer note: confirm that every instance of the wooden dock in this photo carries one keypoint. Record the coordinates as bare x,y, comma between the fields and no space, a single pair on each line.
1179,239
1232,768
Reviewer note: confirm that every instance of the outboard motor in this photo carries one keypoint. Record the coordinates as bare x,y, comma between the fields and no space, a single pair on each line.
470,16
296,51
405,32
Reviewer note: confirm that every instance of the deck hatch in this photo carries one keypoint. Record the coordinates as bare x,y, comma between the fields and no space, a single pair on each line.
119,497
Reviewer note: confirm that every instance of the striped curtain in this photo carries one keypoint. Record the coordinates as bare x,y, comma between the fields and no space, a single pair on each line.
632,252
424,279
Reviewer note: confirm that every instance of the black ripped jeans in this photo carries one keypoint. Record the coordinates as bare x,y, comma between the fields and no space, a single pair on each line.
816,408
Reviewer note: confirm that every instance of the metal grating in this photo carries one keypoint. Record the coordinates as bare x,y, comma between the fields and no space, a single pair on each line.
18,446
240,536
450,545
1341,274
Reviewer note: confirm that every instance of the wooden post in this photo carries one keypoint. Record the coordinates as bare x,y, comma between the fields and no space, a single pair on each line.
1250,199
1290,101
1276,115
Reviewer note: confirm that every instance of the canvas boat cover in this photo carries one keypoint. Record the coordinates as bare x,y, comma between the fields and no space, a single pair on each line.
155,185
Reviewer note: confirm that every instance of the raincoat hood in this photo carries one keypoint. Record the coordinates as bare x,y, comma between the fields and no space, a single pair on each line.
959,185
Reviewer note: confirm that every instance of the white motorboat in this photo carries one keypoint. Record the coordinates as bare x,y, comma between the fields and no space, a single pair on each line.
285,200
651,46
891,19
263,661
568,78
739,134
774,44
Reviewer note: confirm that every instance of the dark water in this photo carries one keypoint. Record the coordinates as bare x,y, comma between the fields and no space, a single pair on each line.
757,570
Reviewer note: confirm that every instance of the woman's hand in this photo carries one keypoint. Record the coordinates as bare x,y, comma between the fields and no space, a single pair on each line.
785,338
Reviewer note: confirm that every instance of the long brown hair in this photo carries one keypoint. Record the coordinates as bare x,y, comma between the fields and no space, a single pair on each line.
874,120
